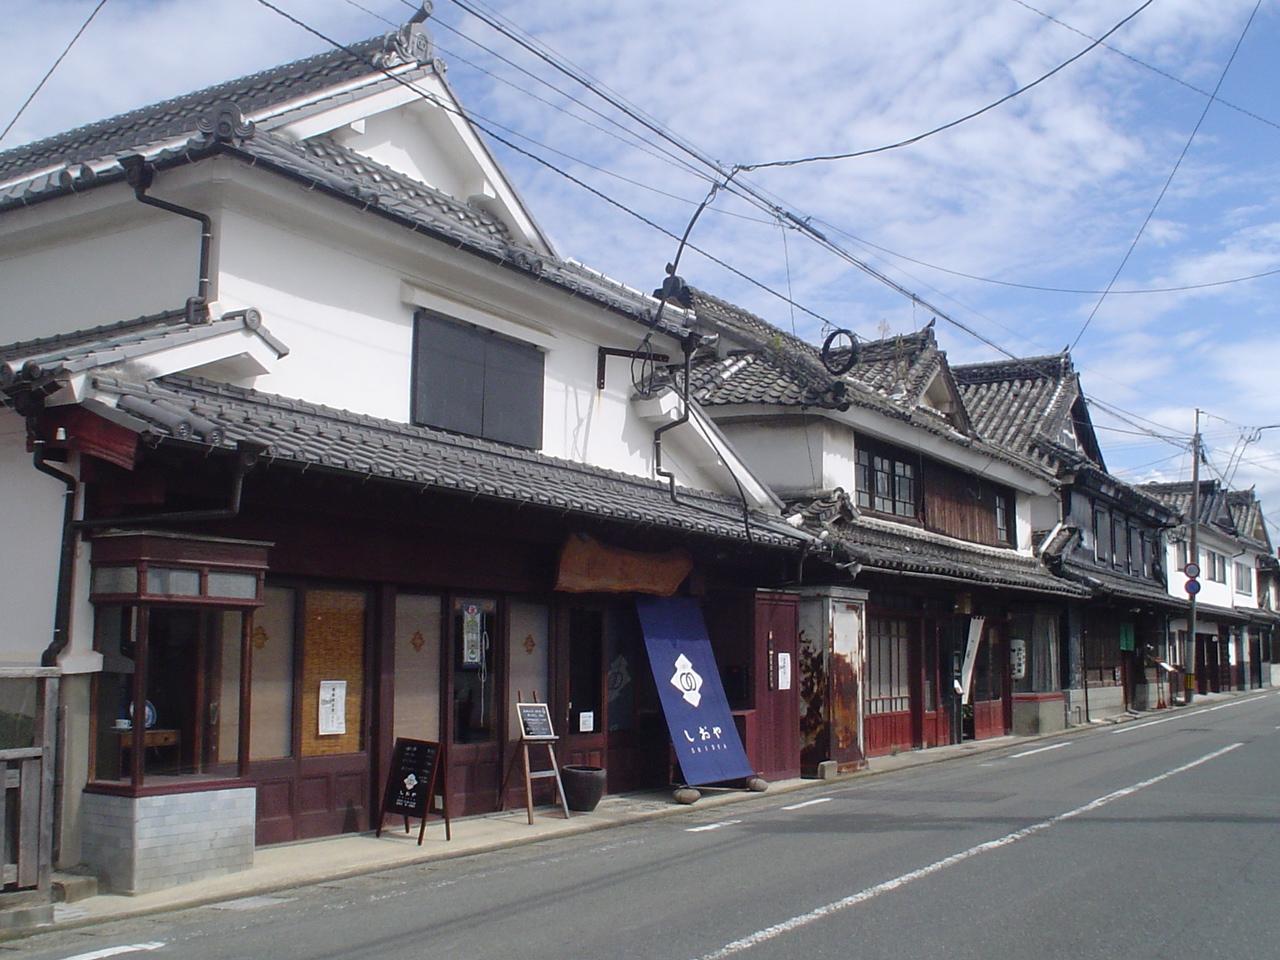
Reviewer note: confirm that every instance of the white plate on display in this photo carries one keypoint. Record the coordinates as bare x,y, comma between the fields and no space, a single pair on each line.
149,711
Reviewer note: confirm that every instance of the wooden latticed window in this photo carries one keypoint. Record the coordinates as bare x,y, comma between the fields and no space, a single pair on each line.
886,484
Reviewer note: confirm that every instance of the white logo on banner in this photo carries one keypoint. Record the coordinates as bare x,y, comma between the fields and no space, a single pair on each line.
687,681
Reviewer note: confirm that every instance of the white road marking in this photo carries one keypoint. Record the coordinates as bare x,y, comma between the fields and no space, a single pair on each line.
1053,746
712,826
804,919
1127,728
249,903
116,951
808,803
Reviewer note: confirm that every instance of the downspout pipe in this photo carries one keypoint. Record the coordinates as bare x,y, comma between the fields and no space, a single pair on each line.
247,457
66,559
140,175
689,344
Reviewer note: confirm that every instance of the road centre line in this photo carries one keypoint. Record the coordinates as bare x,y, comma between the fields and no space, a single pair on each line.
888,886
1129,728
116,951
712,826
808,803
1052,746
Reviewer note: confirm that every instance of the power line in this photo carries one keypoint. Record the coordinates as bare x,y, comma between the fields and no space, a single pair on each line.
1046,289
954,123
772,205
658,153
666,156
1168,180
45,79
1154,69
470,118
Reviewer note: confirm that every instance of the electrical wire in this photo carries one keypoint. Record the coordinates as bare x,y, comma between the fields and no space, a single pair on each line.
1154,69
471,118
1168,180
1046,289
771,204
45,79
780,213
953,123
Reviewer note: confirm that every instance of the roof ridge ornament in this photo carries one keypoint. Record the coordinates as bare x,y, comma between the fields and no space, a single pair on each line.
224,122
410,44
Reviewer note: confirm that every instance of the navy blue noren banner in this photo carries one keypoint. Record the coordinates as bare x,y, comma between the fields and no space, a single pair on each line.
684,668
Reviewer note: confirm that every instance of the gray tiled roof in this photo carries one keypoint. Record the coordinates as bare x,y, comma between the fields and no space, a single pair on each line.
1246,514
1235,512
178,116
118,342
1057,553
323,164
778,369
888,547
1177,496
1019,403
315,436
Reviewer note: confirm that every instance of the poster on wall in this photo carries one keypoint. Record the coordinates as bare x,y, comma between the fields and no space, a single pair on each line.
472,636
333,707
784,671
964,686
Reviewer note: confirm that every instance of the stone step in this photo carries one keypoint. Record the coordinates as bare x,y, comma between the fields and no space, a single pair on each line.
70,887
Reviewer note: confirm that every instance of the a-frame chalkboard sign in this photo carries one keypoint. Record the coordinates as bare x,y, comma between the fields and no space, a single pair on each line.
536,729
416,773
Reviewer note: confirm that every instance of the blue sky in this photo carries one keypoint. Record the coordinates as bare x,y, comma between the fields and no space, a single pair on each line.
1047,190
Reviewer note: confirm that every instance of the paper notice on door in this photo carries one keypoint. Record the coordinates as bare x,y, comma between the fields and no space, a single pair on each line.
587,721
333,707
784,671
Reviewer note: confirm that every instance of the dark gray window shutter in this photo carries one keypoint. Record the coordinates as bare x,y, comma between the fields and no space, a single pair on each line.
448,374
513,392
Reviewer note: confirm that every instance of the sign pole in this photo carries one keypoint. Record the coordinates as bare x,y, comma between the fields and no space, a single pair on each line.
1193,550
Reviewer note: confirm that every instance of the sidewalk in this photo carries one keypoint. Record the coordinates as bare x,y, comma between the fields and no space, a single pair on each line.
285,866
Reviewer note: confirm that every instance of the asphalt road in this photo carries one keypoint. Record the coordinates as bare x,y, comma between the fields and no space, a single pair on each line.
1154,839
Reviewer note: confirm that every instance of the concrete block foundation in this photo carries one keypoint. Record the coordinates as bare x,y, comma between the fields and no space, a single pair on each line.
140,844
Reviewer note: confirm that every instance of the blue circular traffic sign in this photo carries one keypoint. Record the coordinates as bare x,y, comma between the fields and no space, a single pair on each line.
1193,587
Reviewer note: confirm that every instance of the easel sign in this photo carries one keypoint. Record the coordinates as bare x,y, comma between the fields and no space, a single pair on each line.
412,780
535,721
536,729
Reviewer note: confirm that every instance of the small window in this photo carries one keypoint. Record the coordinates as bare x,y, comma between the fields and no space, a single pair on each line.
886,484
471,380
1004,527
1244,582
1101,535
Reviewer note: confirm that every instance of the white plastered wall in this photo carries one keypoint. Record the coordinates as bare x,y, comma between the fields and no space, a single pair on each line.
794,458
82,261
341,290
31,508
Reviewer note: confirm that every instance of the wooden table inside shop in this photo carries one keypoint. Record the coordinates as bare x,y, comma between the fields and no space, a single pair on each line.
156,737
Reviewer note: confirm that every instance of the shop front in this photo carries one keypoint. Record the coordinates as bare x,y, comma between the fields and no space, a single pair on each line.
258,664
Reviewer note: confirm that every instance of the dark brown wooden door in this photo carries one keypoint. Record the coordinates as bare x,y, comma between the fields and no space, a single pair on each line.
582,700
476,698
776,751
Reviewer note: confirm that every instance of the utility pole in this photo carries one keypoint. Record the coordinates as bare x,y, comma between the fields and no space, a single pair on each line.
1193,556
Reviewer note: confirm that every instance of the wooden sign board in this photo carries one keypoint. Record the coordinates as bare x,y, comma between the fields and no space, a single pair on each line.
535,721
412,780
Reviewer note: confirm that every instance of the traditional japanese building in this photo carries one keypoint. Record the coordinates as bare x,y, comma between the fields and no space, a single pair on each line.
314,441
1094,530
1235,625
959,619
